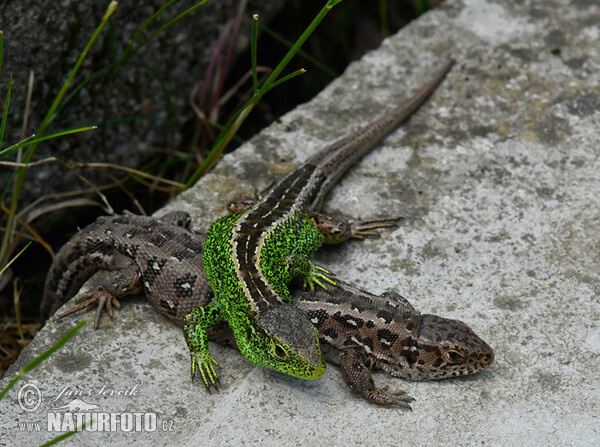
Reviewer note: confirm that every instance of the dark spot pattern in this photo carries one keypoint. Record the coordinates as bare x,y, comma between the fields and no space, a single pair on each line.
362,303
194,245
130,250
386,337
132,231
161,238
331,333
191,249
109,227
94,225
408,341
386,315
348,321
317,317
365,341
356,367
153,270
170,308
184,286
410,356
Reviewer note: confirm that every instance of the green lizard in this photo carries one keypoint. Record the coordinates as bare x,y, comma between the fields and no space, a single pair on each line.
250,257
358,331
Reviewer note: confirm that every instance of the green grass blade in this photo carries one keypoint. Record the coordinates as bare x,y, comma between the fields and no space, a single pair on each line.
14,258
69,433
6,105
286,78
383,19
296,46
253,46
128,51
236,121
1,49
40,358
421,6
32,140
21,172
163,86
301,53
165,26
221,142
82,84
63,91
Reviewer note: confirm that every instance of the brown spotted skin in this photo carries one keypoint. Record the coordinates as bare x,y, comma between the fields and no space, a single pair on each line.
362,331
447,348
358,331
160,257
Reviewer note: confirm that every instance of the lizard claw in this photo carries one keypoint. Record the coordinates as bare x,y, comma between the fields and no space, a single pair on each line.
99,297
385,397
206,367
315,276
362,228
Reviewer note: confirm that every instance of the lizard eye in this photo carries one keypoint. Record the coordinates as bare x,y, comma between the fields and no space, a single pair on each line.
280,352
454,356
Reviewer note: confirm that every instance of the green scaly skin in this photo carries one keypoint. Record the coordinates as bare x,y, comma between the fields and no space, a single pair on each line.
250,258
283,257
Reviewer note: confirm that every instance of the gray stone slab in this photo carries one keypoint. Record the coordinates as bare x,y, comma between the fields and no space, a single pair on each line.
498,177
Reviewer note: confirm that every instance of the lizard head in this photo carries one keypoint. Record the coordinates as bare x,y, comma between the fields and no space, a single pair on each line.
290,343
447,348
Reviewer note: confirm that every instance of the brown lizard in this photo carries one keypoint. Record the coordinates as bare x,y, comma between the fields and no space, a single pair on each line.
358,330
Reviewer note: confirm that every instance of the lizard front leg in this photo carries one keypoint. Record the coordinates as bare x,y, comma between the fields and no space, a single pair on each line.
195,324
359,378
178,218
311,273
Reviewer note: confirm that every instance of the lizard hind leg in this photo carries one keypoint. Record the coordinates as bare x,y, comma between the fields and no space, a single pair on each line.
338,230
105,291
359,379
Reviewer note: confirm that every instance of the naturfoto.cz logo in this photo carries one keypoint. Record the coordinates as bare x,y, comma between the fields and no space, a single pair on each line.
79,415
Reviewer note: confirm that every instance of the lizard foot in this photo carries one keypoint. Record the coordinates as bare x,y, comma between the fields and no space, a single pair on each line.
243,203
384,397
362,228
99,297
240,204
206,366
316,276
338,230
